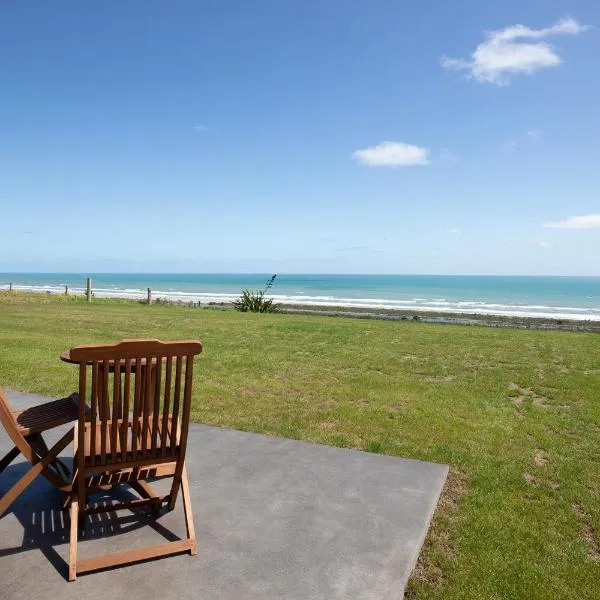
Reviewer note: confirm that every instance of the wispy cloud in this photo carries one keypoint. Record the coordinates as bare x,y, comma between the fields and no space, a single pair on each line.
580,222
447,156
360,249
454,230
199,127
510,144
392,154
531,136
513,50
545,245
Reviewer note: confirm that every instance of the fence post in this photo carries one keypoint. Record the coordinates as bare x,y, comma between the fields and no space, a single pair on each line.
66,290
88,292
149,296
10,287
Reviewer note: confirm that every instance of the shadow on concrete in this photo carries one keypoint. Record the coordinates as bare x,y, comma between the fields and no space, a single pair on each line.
46,525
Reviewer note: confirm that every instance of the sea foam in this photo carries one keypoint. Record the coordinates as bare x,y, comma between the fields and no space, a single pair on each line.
442,305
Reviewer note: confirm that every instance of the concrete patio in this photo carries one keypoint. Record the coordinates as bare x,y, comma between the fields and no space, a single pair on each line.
275,519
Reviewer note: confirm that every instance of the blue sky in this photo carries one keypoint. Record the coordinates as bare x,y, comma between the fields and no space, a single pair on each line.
316,136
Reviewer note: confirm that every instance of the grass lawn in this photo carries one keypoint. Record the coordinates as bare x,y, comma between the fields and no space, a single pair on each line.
516,413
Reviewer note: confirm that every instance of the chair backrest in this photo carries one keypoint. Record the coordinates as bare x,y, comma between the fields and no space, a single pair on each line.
11,427
136,416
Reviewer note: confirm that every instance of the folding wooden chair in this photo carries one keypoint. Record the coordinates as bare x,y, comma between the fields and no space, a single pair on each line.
25,429
136,430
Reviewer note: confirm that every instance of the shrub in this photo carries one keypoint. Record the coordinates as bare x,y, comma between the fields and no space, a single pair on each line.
251,301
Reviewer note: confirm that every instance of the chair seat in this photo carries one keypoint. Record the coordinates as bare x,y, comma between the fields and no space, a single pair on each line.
42,417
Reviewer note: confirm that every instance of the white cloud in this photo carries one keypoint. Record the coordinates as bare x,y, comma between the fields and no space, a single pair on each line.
511,51
199,127
454,230
581,222
533,134
510,144
545,245
392,154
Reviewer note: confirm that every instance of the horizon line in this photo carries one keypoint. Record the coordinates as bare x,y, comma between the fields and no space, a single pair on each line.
270,273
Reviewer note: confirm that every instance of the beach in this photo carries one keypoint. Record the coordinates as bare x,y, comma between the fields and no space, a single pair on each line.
513,298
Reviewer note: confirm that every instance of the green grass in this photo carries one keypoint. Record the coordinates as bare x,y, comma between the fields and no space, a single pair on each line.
516,413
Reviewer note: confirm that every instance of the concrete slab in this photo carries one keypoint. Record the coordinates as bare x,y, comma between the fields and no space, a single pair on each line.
275,519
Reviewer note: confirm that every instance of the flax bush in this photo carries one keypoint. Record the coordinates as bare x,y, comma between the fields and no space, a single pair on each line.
252,301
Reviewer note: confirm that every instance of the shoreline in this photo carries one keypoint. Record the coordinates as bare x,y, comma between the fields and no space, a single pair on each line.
544,309
514,322
381,314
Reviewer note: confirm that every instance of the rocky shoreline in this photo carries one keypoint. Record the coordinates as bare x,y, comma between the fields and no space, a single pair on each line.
448,318
434,317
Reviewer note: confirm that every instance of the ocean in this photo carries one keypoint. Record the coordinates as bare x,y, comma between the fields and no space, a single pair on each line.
576,298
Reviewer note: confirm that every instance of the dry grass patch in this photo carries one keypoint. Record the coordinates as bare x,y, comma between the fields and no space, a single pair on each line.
440,546
588,533
540,458
328,424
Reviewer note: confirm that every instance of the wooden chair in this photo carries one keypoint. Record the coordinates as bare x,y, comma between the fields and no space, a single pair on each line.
25,429
136,430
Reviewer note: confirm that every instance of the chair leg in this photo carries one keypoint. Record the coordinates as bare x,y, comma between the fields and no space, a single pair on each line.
145,491
18,488
73,538
9,458
86,565
57,476
76,491
187,510
38,443
80,492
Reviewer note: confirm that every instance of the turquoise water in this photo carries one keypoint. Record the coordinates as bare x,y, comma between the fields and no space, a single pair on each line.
553,297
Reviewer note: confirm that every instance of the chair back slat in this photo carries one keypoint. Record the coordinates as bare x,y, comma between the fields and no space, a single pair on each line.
117,392
156,407
125,411
104,410
176,402
81,416
93,412
116,412
146,407
137,403
135,413
166,406
187,404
